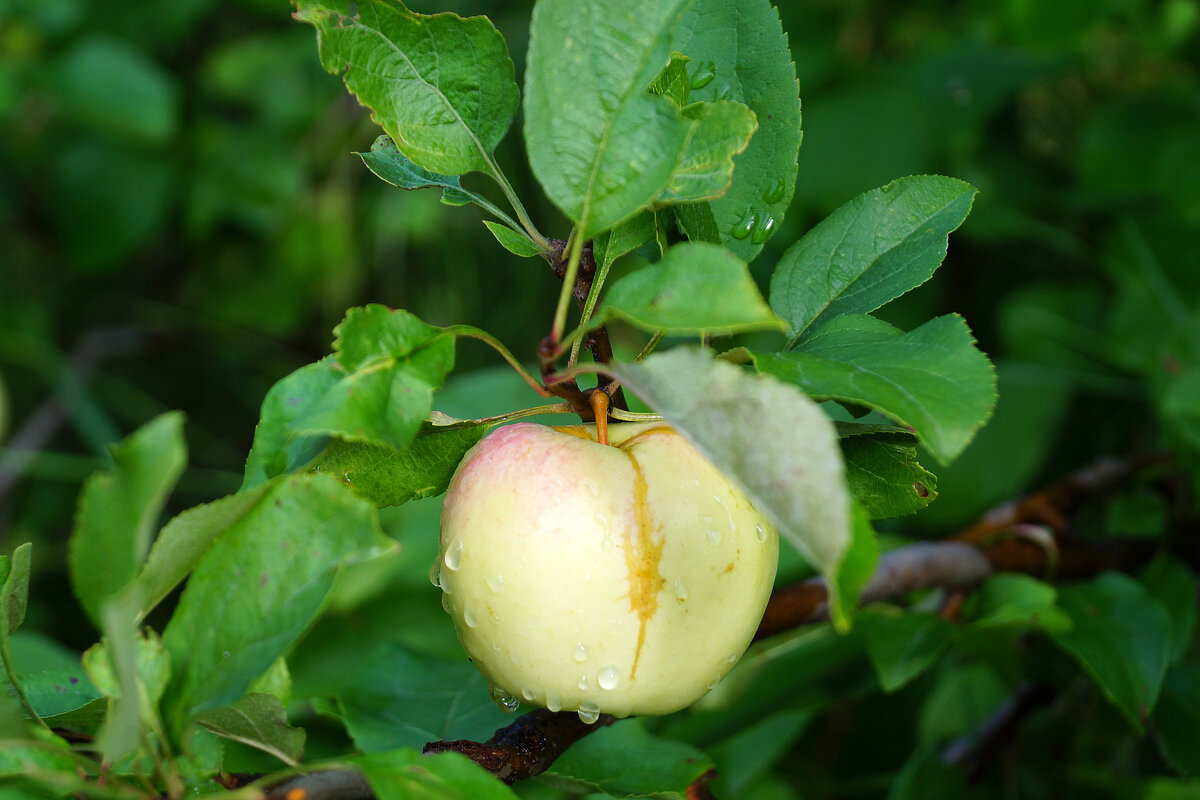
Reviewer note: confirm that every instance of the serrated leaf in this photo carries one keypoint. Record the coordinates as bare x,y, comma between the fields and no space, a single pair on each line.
1121,637
260,585
592,63
932,379
870,251
389,477
119,509
739,52
903,645
882,470
402,698
627,760
673,82
278,448
184,540
259,721
695,288
407,774
440,85
1008,599
766,436
514,242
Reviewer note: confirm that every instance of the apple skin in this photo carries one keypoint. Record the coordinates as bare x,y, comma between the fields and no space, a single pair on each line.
622,579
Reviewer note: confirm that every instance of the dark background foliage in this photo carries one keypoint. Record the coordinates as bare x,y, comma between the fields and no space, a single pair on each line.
182,223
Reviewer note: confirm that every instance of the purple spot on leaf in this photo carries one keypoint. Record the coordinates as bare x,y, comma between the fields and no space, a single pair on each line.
74,680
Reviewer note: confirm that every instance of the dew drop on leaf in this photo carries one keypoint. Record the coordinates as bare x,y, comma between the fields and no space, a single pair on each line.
743,227
704,74
763,227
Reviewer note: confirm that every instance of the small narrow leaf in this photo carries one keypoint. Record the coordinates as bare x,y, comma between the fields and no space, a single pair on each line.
932,379
440,85
514,242
388,477
260,584
766,436
882,470
870,251
856,568
119,509
695,288
739,52
14,589
392,166
259,721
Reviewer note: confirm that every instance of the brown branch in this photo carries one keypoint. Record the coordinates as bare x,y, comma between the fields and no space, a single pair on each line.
342,784
527,747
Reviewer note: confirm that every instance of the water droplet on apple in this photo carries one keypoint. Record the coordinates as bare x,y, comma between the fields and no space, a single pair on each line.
714,536
553,702
526,692
504,700
580,653
760,532
446,603
470,618
496,646
583,684
495,582
588,713
608,678
435,575
679,589
731,658
704,74
453,557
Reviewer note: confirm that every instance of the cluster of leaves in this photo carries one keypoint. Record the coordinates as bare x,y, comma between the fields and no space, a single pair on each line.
691,179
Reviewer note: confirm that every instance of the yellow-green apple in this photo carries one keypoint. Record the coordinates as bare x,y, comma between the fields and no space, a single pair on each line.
620,578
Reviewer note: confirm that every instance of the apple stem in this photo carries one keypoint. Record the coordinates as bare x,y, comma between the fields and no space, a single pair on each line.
599,403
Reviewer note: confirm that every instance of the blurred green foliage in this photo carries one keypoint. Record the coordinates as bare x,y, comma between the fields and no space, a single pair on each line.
182,223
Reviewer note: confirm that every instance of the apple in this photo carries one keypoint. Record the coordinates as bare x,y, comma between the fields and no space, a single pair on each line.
620,578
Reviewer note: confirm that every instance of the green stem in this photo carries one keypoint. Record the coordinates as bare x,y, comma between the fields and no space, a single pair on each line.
511,195
472,332
650,345
589,306
633,416
568,287
552,408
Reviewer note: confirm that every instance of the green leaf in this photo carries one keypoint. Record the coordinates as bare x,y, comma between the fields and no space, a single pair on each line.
590,64
184,540
391,166
932,379
624,238
407,774
741,759
742,46
705,167
700,224
674,82
902,645
768,438
377,389
1010,599
513,241
695,288
856,568
626,760
14,589
259,721
401,698
119,511
440,85
277,448
1121,637
868,252
1177,718
260,585
882,470
1173,584
389,477
57,693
